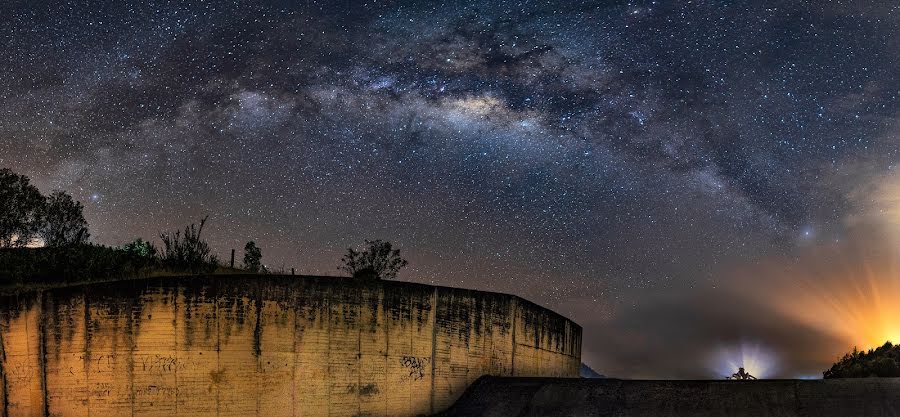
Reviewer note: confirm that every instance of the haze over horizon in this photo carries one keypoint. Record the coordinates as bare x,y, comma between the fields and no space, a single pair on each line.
699,185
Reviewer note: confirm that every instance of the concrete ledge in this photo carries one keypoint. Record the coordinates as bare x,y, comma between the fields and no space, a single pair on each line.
521,397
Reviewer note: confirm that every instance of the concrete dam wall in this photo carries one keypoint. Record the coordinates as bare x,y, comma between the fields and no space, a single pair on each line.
267,346
541,397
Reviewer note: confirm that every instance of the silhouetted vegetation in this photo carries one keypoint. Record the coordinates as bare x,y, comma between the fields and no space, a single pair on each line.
187,251
64,222
252,257
378,261
22,267
881,362
182,252
21,210
26,215
141,248
58,222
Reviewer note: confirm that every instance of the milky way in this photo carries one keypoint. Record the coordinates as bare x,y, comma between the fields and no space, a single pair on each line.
580,155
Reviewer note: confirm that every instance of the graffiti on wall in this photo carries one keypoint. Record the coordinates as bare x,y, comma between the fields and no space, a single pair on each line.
416,365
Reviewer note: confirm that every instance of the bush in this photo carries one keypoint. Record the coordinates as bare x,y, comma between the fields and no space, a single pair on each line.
80,262
140,248
881,362
378,261
22,267
187,252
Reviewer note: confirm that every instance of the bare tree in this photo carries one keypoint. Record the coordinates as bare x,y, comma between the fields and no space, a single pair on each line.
64,222
378,261
21,209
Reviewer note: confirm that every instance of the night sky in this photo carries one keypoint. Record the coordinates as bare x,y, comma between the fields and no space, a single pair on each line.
666,174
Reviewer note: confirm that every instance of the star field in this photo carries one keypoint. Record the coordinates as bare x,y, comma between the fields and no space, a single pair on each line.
580,154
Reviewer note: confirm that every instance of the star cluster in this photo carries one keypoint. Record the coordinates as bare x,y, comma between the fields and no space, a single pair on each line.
579,154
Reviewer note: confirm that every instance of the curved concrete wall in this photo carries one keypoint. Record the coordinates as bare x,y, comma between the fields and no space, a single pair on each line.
541,397
267,346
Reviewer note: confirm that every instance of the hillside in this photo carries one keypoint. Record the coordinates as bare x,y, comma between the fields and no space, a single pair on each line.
881,362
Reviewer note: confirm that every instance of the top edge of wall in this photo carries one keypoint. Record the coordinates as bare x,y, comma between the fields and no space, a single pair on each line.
180,279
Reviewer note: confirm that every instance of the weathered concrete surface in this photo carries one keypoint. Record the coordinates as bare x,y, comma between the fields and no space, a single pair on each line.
267,346
546,397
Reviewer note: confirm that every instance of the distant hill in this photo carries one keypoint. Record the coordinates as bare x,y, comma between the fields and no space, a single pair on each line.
587,372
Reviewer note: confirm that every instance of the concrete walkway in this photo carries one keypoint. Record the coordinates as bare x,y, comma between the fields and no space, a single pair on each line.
548,397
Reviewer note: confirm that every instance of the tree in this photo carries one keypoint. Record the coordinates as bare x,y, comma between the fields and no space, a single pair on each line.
882,362
252,257
378,261
64,222
21,208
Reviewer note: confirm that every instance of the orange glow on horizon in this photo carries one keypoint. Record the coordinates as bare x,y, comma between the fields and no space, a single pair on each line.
847,290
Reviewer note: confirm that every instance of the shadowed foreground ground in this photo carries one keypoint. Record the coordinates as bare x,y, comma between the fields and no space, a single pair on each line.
547,397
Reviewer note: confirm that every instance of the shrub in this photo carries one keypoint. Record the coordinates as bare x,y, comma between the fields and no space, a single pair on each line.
378,261
187,252
140,248
77,263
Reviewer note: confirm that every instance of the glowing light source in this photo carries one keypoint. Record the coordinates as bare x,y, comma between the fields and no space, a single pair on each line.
753,357
33,243
36,243
846,289
858,304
